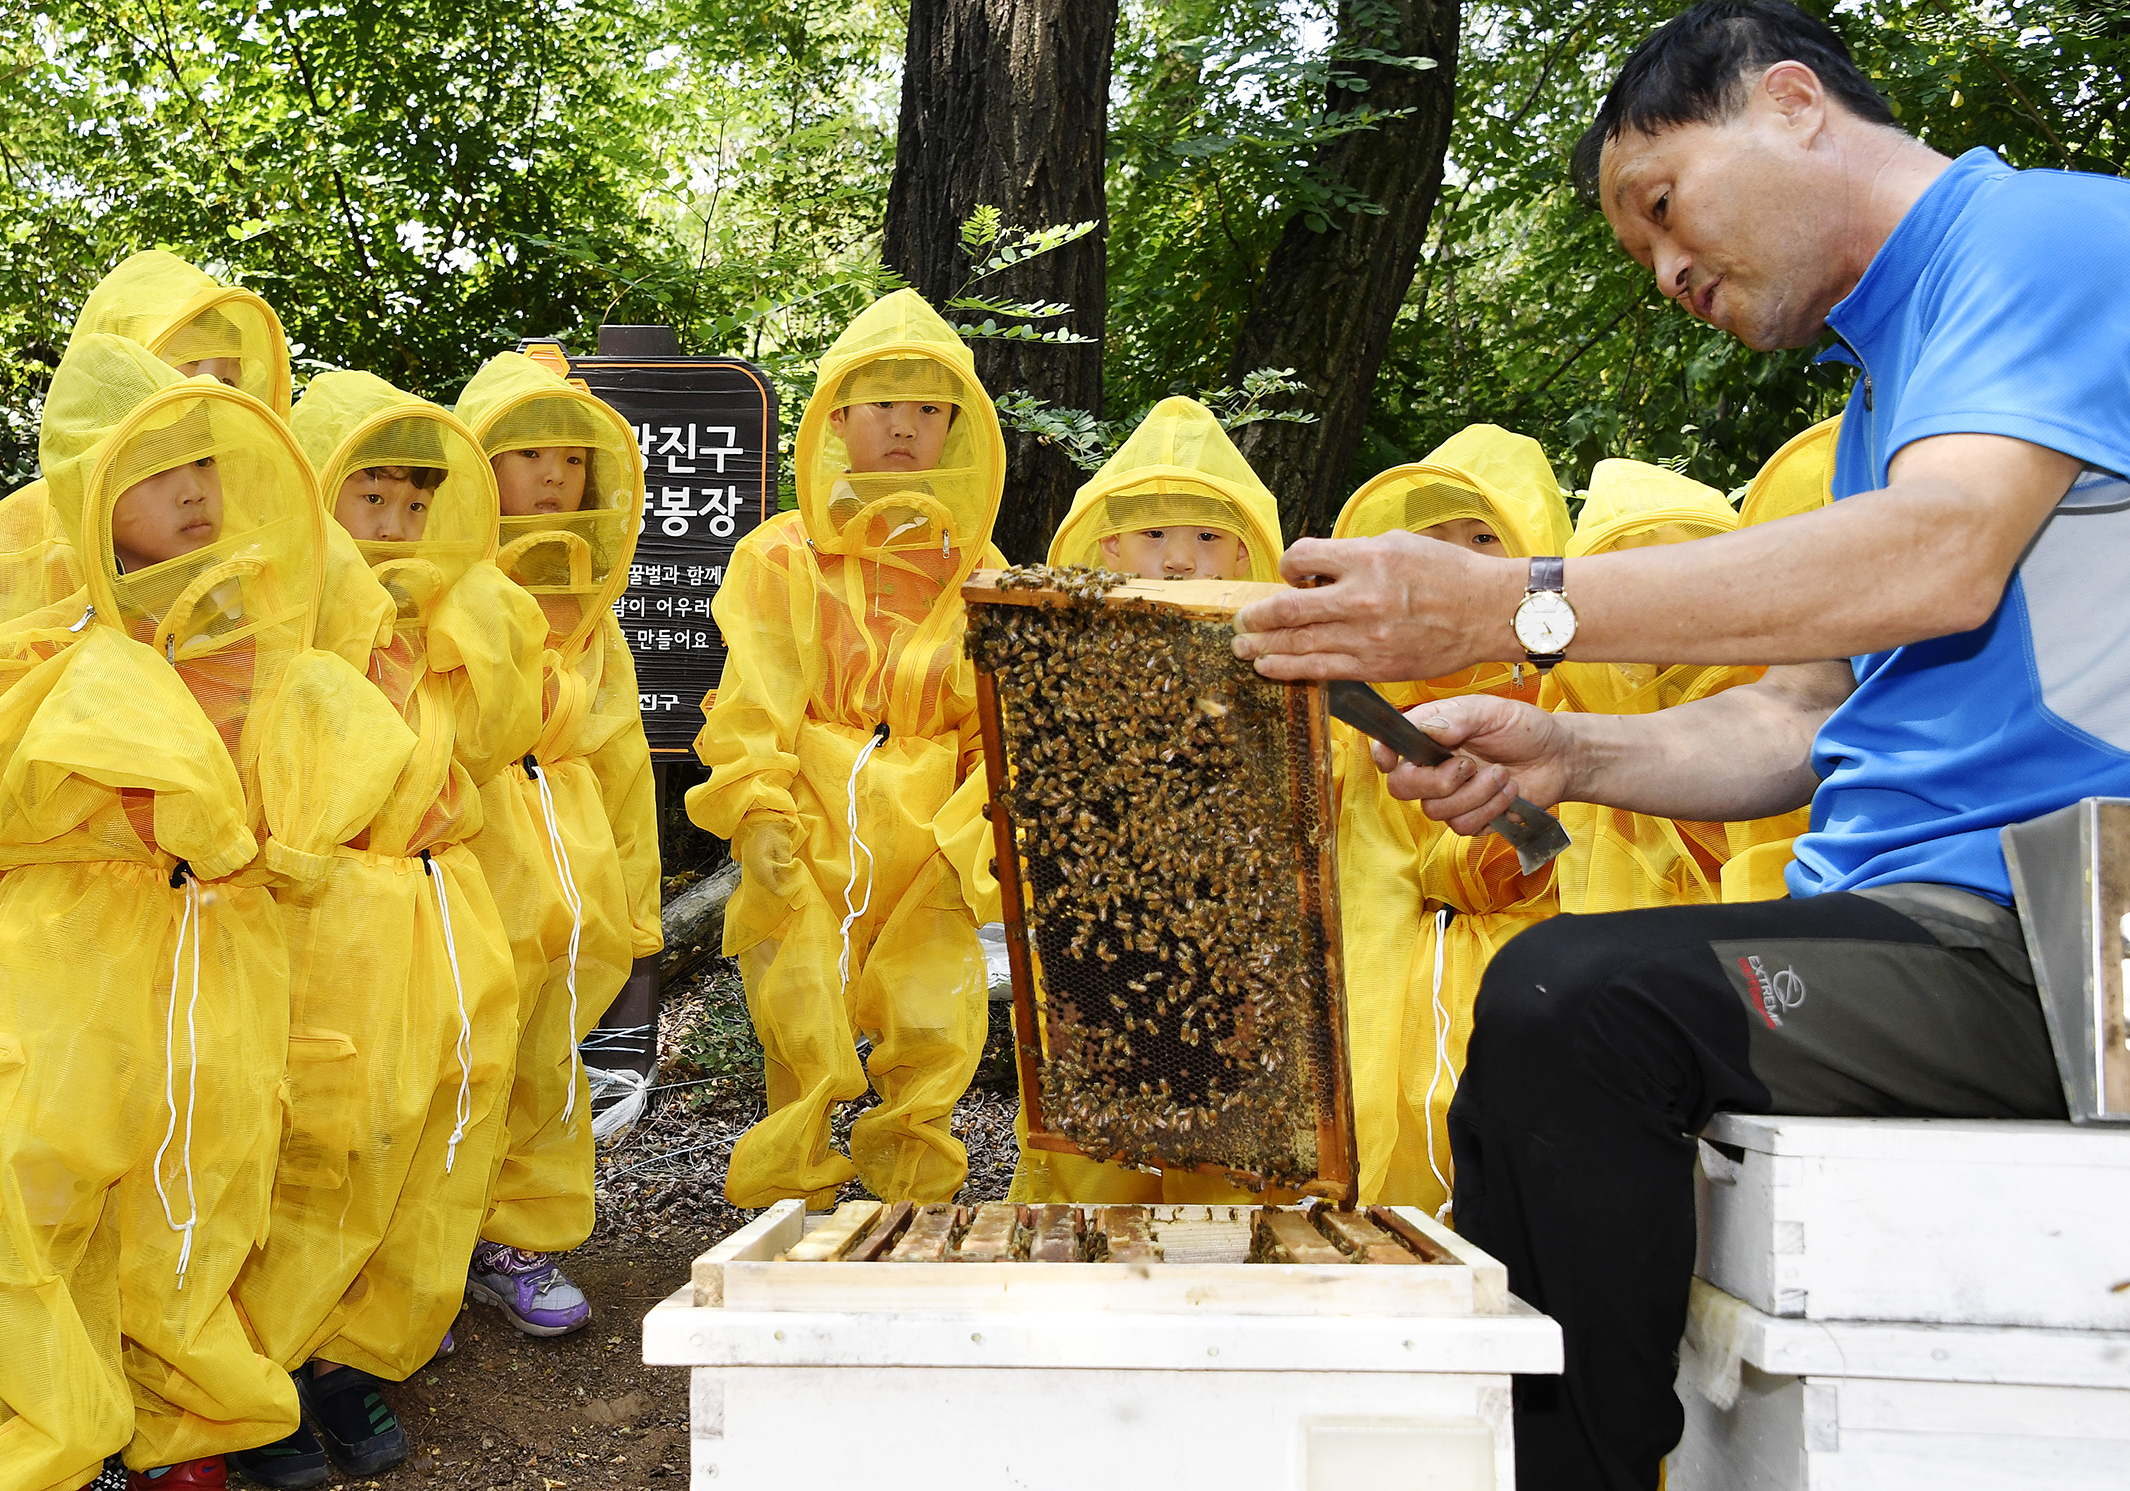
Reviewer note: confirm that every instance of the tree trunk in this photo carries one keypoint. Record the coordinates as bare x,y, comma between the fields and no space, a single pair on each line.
1005,104
1327,299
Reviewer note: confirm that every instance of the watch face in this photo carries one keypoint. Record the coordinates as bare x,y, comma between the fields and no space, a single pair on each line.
1545,622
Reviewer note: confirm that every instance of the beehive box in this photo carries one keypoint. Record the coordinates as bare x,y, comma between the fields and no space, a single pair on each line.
1943,1221
1164,849
1178,1357
1874,1406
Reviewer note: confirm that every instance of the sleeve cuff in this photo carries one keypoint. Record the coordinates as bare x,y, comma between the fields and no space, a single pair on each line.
295,863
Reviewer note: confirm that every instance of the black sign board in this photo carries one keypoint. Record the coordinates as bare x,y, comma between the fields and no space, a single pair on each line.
707,430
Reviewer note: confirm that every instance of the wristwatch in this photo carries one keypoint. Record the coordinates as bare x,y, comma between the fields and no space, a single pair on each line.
1544,621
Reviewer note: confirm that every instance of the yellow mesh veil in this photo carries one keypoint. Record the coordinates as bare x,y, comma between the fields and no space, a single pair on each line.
183,315
900,349
348,422
116,416
576,564
1799,478
1178,468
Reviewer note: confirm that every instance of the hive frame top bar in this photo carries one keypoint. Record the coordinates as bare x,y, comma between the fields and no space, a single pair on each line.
1193,597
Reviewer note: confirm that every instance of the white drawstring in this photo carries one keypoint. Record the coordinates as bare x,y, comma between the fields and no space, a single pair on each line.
576,921
850,818
189,920
464,1110
1442,1056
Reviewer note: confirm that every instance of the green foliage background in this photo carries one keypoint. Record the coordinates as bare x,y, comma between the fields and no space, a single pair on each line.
416,185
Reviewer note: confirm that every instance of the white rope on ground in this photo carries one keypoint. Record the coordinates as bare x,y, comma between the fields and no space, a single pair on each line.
463,1112
188,920
576,920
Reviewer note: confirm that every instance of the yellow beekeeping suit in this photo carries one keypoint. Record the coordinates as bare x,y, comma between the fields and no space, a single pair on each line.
1618,860
556,824
1406,1029
163,760
403,1019
844,721
1179,468
1799,478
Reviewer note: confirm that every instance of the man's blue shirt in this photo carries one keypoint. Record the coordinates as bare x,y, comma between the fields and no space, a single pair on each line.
2001,306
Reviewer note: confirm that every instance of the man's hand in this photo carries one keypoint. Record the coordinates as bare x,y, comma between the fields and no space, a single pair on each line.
1397,606
1744,753
1519,751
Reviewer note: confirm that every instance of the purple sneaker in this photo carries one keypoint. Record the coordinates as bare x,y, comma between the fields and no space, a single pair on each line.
528,1288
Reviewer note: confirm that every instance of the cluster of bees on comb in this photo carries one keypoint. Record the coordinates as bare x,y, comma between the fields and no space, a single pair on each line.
1149,790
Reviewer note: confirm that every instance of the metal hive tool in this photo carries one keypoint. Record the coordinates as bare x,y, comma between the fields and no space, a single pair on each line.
1165,854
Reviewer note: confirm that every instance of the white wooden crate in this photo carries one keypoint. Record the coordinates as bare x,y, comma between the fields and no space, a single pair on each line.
1858,1406
1032,1384
1944,1221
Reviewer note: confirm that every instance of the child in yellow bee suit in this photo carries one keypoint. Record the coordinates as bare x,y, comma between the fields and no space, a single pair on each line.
1799,478
1177,501
202,328
569,841
403,999
843,723
170,753
1617,860
1494,492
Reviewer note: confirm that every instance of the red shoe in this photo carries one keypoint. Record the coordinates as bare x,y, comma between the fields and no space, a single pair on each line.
190,1475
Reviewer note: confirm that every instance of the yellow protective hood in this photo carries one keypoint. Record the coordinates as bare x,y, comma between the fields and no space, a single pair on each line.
184,315
117,415
899,348
1799,478
1178,467
1633,504
576,564
348,422
1481,472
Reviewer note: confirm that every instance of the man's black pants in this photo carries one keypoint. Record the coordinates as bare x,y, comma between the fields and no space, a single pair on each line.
1602,1045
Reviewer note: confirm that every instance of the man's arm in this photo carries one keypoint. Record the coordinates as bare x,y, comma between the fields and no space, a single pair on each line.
1927,556
1745,753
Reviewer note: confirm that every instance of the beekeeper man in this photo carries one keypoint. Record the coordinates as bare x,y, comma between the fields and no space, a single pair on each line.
1952,656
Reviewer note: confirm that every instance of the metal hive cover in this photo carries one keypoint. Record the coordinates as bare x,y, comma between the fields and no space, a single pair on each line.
1165,853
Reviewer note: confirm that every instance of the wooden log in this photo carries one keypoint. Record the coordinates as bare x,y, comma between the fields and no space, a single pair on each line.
694,921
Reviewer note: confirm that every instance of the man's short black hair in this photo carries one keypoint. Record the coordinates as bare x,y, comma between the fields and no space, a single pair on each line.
1695,70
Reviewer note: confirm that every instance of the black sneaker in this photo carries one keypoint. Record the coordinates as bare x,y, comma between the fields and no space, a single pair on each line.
289,1464
361,1435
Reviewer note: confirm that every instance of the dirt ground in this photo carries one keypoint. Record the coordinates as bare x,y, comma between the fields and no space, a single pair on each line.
583,1411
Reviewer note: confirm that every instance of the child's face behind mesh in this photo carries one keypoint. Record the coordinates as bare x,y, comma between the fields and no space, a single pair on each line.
385,504
1177,554
226,371
1469,533
172,513
547,480
902,435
